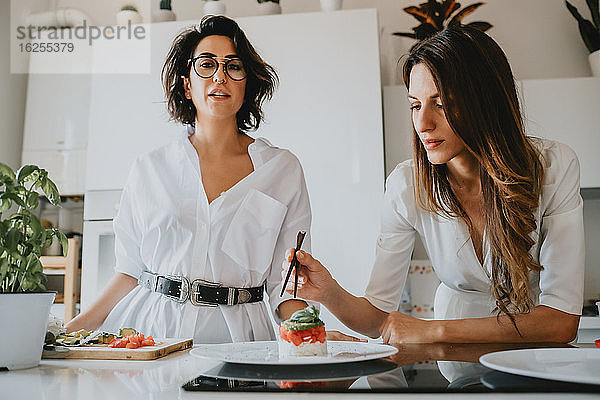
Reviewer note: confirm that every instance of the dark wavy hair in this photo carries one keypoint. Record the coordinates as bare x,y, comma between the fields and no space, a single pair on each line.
479,98
261,80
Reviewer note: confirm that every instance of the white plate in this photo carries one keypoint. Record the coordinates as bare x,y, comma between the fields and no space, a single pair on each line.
569,365
266,353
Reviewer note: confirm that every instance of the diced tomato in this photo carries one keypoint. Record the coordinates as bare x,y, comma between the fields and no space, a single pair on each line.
597,341
147,342
132,345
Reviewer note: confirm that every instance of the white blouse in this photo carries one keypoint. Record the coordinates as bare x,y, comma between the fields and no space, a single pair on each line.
465,291
166,225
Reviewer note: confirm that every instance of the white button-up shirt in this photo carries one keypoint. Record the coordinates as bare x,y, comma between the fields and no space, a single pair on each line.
465,291
166,225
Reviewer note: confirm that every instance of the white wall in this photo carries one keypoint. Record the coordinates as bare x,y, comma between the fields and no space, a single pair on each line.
12,102
539,36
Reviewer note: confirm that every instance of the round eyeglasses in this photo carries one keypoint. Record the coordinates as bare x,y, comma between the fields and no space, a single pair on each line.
206,67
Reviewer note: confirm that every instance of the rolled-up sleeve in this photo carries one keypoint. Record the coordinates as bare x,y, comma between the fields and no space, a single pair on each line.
395,242
562,247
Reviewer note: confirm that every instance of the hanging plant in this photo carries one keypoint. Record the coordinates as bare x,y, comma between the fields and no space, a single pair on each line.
435,15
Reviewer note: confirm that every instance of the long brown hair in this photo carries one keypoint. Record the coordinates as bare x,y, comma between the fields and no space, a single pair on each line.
479,98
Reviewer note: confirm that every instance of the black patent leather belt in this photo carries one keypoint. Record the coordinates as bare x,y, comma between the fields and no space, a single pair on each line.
199,292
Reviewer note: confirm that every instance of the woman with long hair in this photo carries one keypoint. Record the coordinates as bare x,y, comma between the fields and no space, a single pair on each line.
499,213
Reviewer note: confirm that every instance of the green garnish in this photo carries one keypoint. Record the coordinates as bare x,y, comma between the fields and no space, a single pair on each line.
303,319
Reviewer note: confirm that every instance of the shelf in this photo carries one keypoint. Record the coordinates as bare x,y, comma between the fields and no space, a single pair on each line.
67,267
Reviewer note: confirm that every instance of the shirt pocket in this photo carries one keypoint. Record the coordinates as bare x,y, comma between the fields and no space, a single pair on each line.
251,237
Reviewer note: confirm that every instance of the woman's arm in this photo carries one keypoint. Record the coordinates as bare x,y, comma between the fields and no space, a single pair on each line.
541,324
118,287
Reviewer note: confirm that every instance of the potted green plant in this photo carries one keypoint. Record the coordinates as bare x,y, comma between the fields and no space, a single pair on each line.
24,304
590,32
267,7
435,15
164,13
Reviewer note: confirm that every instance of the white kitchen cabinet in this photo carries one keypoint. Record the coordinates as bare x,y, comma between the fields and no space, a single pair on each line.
56,126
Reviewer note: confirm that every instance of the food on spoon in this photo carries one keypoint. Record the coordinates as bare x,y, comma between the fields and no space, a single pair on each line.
303,334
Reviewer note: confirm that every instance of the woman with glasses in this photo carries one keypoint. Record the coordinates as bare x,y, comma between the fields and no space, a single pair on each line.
499,213
202,220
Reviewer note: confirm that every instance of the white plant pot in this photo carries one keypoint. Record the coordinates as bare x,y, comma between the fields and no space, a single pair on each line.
24,324
595,63
269,8
214,8
163,16
124,16
331,5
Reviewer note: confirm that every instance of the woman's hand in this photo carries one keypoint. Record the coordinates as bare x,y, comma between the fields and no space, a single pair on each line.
314,281
399,328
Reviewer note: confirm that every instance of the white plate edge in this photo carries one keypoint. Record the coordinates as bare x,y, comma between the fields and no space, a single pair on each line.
299,361
532,373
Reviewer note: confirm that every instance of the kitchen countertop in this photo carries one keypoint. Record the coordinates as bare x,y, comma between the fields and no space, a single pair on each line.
444,369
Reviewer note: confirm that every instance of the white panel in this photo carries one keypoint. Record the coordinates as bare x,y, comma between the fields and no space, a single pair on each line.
397,126
567,110
327,110
56,116
66,168
98,260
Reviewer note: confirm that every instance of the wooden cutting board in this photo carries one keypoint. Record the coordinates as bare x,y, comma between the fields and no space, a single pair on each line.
102,352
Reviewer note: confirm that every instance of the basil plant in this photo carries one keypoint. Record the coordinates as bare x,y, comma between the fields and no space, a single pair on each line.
22,235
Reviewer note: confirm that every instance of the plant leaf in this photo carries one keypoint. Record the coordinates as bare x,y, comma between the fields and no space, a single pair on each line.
465,11
448,7
26,173
480,25
7,171
33,200
591,36
405,34
594,6
14,197
51,191
5,205
63,242
419,14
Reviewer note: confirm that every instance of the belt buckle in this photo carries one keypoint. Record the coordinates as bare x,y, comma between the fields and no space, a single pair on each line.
243,296
194,292
184,290
152,285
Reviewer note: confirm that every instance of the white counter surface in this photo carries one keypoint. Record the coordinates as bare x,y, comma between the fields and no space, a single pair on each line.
163,379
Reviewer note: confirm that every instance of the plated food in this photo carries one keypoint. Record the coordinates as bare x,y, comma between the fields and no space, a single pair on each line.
303,335
126,338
